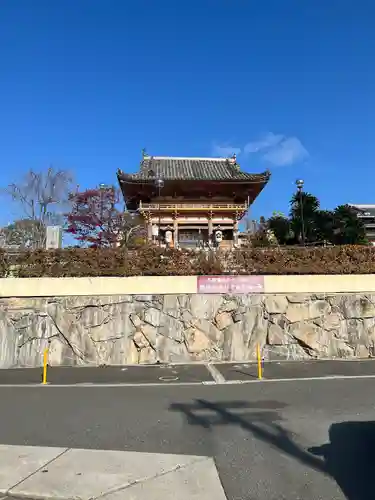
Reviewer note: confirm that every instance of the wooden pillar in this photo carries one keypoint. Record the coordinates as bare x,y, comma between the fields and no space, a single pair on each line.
235,230
210,227
149,229
175,232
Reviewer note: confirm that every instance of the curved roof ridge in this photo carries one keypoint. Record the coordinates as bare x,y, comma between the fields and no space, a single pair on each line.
180,168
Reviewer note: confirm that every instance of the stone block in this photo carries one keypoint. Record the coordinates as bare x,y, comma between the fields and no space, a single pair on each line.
249,300
329,322
143,298
309,335
150,332
205,306
288,352
147,355
299,298
276,335
229,306
212,332
362,351
276,304
170,351
135,320
140,340
279,320
184,301
338,348
223,320
152,316
307,311
355,306
8,342
187,318
196,341
355,331
131,354
171,305
241,338
235,346
171,327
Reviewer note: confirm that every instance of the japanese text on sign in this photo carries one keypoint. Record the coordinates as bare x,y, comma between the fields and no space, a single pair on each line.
230,284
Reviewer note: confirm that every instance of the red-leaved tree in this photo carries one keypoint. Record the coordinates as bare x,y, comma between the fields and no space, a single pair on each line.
98,220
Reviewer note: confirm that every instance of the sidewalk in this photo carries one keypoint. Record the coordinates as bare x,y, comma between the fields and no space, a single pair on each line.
67,474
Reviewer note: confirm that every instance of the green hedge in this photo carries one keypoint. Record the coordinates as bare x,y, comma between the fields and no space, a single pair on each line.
152,261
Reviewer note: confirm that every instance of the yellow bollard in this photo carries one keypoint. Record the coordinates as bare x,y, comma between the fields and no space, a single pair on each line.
45,364
259,362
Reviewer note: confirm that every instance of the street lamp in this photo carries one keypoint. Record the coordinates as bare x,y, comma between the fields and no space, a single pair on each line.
159,183
299,184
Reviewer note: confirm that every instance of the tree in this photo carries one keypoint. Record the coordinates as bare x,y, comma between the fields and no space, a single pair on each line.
259,238
42,198
24,233
281,228
325,226
98,220
349,229
338,227
307,205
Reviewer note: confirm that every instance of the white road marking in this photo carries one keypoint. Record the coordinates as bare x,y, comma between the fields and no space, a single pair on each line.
212,383
216,375
168,379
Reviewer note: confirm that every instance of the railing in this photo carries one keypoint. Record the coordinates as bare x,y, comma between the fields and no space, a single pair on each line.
192,206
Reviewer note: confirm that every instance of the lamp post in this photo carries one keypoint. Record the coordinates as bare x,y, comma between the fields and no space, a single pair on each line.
159,183
299,184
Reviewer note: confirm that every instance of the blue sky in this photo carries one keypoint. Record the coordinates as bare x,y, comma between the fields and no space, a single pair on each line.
287,84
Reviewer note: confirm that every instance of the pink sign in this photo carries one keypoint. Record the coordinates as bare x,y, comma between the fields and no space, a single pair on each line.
230,284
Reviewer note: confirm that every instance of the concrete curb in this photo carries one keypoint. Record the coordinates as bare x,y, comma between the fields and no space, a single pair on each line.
64,474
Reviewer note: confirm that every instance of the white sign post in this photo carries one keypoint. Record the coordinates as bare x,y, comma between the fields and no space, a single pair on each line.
53,237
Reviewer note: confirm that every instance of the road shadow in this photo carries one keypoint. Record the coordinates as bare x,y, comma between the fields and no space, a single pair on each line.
261,418
349,457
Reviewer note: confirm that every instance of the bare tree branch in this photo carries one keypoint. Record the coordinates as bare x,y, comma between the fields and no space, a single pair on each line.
42,197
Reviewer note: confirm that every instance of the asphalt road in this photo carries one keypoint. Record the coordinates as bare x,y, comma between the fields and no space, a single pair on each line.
297,369
155,374
259,434
191,373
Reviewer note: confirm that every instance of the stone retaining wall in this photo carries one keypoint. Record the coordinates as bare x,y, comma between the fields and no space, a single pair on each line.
126,329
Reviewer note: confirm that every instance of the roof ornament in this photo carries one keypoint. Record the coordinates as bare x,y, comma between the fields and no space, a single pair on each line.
234,163
144,153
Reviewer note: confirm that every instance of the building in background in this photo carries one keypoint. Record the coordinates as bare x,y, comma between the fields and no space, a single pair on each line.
251,228
367,214
191,202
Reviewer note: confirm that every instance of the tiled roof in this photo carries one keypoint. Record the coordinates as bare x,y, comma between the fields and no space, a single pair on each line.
170,168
